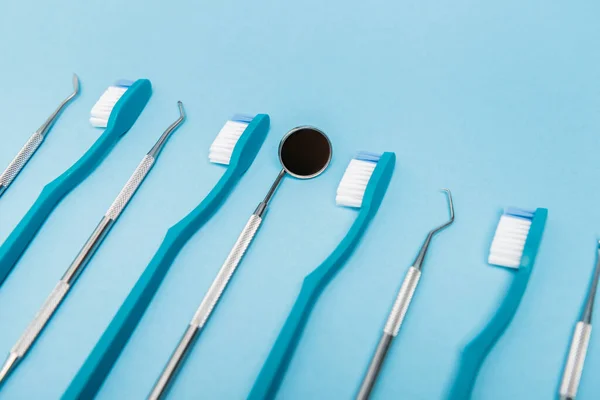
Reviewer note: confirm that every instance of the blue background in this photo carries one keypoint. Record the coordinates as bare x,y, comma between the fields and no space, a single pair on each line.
499,102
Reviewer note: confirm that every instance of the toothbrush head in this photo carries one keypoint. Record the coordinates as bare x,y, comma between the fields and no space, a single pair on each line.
517,237
121,104
365,180
239,140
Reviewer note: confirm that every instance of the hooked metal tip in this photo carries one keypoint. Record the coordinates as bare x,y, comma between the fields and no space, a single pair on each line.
420,259
155,150
48,124
450,206
75,84
181,110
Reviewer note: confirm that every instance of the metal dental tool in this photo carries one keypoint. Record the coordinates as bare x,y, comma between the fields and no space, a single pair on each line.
86,253
399,309
304,152
34,142
580,342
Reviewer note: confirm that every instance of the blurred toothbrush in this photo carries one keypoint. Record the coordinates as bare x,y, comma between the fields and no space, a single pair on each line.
363,186
236,146
88,250
34,142
515,245
399,309
581,340
117,110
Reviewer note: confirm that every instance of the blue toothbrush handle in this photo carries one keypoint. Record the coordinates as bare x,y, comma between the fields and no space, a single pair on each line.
97,366
16,243
123,116
476,351
272,373
100,361
274,368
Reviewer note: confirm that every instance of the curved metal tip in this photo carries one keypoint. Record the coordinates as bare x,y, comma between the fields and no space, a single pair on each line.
420,259
48,124
155,150
450,206
181,110
75,83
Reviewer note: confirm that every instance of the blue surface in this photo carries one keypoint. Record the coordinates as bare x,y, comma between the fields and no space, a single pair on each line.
451,87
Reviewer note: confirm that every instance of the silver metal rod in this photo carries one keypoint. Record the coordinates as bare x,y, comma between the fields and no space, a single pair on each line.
370,378
9,365
177,359
588,309
52,118
262,206
88,250
33,143
158,146
580,340
208,304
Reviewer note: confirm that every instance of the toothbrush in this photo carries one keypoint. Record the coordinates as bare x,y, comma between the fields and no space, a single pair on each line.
34,142
515,245
88,250
119,108
399,309
363,186
300,156
581,340
236,146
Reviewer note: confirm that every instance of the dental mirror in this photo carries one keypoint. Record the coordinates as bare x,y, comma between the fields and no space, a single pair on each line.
304,153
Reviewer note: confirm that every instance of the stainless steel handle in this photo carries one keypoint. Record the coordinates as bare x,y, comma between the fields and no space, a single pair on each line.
41,318
402,302
366,387
17,164
208,304
575,361
166,377
233,259
130,187
392,326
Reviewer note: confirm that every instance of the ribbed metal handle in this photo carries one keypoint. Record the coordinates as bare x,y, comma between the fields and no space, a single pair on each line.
574,366
41,318
402,301
130,187
17,164
226,271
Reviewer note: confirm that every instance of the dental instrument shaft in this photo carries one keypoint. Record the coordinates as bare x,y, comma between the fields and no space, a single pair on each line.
86,253
399,309
580,341
34,142
213,295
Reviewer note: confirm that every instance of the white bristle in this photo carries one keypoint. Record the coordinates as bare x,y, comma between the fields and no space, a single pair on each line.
222,148
352,188
101,111
509,241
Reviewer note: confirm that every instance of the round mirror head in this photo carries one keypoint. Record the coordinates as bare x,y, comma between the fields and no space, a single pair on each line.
305,152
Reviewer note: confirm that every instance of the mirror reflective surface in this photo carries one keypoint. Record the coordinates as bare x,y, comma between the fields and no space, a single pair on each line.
305,152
